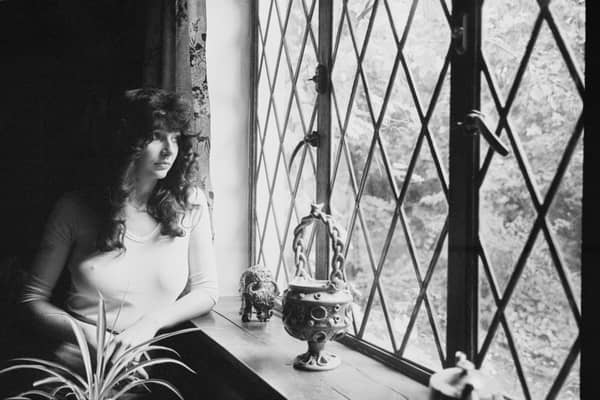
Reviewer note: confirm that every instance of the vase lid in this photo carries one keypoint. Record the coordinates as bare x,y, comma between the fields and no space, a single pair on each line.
302,283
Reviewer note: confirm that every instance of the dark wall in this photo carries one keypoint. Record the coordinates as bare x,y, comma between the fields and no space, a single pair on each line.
62,65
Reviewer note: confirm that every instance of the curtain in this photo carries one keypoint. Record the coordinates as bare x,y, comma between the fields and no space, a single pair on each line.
175,59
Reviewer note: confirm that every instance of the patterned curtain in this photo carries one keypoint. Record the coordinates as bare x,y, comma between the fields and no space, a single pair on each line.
175,59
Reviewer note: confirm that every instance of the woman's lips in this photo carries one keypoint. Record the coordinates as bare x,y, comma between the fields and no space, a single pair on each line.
162,165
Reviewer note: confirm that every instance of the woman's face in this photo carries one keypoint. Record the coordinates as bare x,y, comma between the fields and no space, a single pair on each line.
159,155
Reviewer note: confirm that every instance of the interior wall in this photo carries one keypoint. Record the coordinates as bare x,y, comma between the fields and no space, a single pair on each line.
228,70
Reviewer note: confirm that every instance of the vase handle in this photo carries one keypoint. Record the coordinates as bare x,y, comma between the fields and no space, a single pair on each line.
337,275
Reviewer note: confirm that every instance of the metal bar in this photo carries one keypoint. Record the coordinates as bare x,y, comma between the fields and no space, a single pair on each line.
264,36
463,192
263,136
446,12
368,245
324,128
252,183
293,94
423,290
373,285
414,158
415,263
310,30
520,265
409,21
564,371
294,194
563,48
542,209
406,367
280,133
430,140
392,24
367,38
554,250
497,102
507,331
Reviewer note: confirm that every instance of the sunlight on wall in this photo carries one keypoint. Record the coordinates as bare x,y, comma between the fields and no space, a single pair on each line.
228,70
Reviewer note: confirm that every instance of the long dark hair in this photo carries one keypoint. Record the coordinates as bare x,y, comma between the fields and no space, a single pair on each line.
141,112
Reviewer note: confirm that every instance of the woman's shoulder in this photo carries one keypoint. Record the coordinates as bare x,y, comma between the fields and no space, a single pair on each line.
73,205
197,204
197,197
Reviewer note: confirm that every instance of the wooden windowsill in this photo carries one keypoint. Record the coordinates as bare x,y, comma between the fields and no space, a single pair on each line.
266,352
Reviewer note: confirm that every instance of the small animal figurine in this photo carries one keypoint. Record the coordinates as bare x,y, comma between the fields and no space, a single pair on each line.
258,290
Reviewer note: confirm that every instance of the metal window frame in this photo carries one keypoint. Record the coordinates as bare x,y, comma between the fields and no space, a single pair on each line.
465,177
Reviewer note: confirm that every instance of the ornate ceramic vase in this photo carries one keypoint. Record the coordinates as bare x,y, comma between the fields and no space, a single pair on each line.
317,310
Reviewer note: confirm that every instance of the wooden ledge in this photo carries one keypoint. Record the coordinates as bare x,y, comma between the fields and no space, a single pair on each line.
265,352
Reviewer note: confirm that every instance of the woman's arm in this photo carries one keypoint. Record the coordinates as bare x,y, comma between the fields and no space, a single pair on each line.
49,262
203,293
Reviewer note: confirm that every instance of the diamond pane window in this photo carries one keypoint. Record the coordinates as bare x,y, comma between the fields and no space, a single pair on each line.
285,112
389,185
531,202
449,245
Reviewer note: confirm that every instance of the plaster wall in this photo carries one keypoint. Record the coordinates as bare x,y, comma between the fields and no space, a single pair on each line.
228,70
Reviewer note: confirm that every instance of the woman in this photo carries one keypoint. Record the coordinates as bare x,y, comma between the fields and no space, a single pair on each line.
141,239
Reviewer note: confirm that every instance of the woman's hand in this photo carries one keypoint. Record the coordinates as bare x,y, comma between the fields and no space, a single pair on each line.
144,329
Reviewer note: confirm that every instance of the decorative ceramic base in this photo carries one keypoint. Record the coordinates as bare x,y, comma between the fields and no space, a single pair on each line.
316,359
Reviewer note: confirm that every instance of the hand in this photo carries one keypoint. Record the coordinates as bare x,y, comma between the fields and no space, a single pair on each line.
144,329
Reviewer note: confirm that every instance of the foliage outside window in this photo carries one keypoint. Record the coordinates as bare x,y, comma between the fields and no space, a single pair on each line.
544,118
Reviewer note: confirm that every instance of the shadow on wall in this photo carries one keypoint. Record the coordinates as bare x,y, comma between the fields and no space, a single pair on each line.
64,62
68,60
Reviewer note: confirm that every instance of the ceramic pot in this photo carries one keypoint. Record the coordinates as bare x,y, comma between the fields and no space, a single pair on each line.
317,310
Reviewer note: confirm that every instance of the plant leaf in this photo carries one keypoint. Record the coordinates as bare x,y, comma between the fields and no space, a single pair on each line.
73,386
83,346
110,384
128,355
59,388
165,348
52,365
137,348
146,381
123,363
37,393
100,337
46,381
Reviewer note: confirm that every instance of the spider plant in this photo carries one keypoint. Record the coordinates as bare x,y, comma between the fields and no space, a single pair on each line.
108,379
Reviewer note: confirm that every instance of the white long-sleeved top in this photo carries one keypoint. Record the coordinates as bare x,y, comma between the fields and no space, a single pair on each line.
152,273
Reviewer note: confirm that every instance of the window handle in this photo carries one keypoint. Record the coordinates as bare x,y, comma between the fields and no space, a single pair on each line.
475,123
311,139
321,79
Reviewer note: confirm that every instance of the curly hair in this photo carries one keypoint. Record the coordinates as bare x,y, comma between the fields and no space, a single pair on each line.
143,111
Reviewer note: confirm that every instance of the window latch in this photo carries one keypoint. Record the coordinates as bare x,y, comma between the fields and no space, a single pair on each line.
459,36
321,79
311,139
474,123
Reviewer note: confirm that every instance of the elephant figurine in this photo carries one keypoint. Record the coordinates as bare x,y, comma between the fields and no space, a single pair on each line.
258,290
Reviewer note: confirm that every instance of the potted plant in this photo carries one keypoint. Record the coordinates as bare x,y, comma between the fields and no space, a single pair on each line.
108,379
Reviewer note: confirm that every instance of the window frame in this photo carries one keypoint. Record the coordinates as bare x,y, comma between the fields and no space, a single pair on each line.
463,187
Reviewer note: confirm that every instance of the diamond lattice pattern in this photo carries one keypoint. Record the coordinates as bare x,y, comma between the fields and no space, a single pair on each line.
530,201
285,113
389,178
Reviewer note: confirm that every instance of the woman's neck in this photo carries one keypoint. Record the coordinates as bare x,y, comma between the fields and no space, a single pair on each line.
141,193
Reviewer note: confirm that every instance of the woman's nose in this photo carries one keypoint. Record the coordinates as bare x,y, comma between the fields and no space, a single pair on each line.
168,148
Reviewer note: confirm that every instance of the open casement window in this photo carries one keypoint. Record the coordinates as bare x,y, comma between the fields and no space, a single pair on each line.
449,244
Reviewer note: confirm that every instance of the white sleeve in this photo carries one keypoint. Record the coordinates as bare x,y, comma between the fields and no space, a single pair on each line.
201,258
